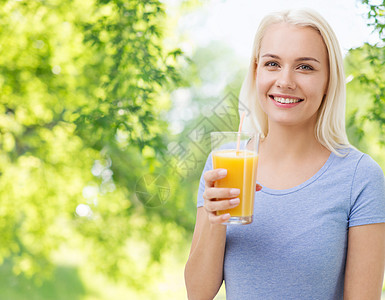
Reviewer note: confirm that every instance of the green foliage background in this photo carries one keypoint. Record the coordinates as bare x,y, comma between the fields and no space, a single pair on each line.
84,86
87,92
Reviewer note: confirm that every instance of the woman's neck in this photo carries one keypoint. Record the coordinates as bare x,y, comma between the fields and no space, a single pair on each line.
291,143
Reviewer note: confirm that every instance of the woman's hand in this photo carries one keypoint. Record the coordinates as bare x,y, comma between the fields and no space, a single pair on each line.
217,199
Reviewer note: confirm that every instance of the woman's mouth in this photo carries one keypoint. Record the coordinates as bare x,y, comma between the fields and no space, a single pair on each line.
285,100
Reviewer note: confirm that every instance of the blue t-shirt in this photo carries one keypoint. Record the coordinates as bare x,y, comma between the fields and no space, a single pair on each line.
296,246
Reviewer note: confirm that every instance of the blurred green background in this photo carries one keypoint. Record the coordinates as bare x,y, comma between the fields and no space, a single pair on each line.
103,136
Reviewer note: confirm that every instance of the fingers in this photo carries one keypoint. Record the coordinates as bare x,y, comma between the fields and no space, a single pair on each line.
211,176
212,206
220,199
226,200
214,219
217,199
220,193
217,205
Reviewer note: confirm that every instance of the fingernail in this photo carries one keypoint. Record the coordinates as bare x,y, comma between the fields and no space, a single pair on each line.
235,191
222,172
225,216
234,201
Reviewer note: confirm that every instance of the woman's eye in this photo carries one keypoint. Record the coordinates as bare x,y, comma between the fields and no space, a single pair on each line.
271,64
305,67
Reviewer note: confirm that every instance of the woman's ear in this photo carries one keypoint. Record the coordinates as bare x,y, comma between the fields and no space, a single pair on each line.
255,69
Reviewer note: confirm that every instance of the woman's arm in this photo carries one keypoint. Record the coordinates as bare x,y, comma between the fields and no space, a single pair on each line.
365,262
204,268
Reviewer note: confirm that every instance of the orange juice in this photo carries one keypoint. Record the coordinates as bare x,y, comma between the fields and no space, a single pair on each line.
241,169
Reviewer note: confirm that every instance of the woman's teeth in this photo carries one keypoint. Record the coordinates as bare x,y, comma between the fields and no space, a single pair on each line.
286,100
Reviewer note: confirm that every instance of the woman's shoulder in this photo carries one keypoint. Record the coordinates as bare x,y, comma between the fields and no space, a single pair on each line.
361,162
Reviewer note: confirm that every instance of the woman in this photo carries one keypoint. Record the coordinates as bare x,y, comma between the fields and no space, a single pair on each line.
318,229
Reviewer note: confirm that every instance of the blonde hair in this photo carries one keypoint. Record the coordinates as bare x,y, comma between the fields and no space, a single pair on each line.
330,127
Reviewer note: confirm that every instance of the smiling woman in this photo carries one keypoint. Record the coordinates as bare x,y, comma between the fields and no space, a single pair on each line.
319,56
319,213
291,81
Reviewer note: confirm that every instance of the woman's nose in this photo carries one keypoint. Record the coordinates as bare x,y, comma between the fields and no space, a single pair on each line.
285,80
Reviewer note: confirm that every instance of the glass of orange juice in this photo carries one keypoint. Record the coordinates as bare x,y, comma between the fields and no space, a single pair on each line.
238,154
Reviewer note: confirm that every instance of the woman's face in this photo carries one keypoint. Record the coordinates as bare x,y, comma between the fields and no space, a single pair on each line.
292,74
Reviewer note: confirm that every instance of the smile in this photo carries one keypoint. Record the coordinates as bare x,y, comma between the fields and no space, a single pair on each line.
285,100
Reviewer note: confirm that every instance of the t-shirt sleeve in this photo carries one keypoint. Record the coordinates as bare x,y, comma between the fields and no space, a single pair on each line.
201,189
367,193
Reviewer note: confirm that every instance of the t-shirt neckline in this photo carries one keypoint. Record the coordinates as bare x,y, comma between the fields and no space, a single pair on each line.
304,184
